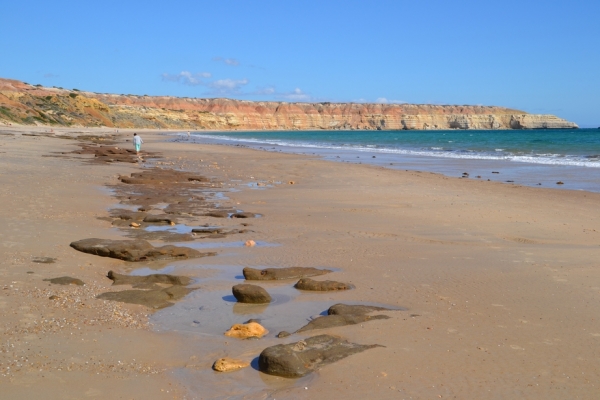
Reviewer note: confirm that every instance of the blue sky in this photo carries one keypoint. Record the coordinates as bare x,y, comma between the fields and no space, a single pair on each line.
540,57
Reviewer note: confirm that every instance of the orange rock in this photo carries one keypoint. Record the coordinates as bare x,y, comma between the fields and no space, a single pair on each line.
227,364
243,331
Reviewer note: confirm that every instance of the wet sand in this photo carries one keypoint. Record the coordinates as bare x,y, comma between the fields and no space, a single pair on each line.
500,283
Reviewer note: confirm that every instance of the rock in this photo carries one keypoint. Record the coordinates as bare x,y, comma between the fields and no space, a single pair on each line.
43,260
215,229
244,331
159,219
283,334
358,309
65,280
250,243
331,321
342,315
298,359
119,279
560,183
227,364
269,274
243,215
157,298
134,250
218,214
323,286
245,293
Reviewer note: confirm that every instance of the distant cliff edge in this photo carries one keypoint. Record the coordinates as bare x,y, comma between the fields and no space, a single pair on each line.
22,103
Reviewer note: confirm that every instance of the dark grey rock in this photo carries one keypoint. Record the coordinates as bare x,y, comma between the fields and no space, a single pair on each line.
65,280
321,286
159,219
245,293
342,315
119,279
269,274
134,250
43,260
298,359
157,298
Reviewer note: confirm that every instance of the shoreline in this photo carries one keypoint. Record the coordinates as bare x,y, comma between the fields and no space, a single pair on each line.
490,274
506,171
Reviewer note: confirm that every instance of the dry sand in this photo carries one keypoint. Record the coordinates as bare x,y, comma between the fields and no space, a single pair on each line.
501,283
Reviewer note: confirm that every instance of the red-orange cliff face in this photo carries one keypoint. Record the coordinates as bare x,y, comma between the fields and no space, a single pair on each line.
24,103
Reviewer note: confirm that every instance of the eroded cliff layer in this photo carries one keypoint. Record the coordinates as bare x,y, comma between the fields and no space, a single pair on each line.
26,104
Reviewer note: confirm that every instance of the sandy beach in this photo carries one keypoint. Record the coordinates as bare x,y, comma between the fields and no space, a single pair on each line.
495,287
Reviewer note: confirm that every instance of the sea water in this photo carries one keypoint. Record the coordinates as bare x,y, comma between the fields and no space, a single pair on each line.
528,157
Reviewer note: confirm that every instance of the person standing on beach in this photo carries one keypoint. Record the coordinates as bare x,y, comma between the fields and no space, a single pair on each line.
137,142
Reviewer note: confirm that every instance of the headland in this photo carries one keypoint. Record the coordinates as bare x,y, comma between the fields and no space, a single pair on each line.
22,103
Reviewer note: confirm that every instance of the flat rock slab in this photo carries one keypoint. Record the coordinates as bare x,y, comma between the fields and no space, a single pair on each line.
160,219
243,215
321,286
119,279
65,280
298,359
271,274
157,298
43,260
342,315
245,293
354,309
134,250
331,321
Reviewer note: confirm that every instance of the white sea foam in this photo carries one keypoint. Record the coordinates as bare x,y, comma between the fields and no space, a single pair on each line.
545,158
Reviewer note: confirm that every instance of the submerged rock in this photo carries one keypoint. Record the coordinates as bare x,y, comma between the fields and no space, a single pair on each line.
119,279
322,286
134,250
243,215
65,280
156,298
298,359
342,315
43,260
354,309
269,274
227,364
160,219
245,293
247,330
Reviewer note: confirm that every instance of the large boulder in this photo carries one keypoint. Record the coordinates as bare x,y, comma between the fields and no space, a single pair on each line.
298,359
134,250
270,274
321,286
245,293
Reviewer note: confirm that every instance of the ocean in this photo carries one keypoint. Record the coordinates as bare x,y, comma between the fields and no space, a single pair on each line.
527,157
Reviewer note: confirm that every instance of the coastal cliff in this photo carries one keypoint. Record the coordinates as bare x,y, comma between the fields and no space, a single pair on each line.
22,103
